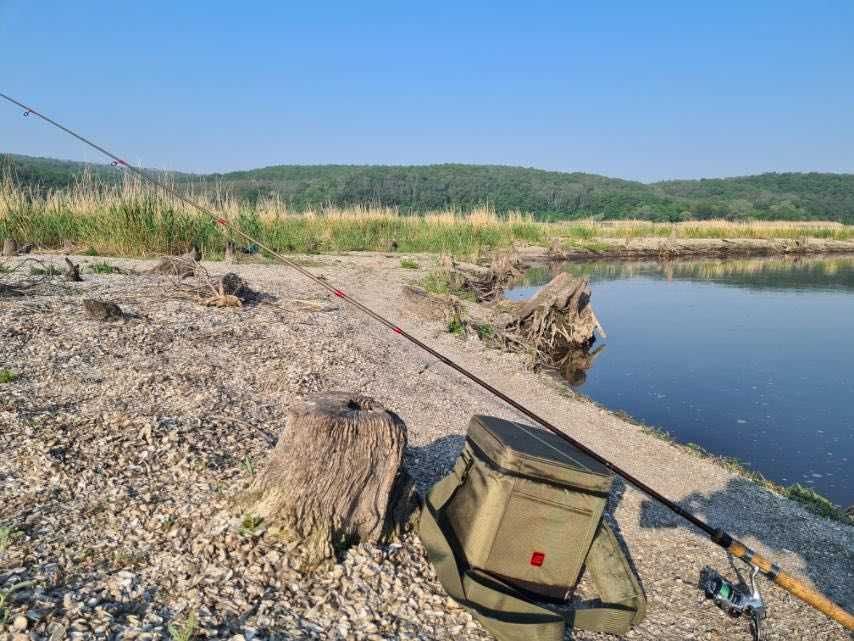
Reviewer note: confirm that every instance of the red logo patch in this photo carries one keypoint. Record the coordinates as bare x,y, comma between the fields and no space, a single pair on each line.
537,559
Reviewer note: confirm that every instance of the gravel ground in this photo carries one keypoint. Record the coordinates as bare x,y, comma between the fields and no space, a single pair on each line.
121,443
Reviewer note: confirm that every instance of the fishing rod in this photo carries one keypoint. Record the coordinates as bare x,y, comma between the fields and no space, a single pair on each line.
719,536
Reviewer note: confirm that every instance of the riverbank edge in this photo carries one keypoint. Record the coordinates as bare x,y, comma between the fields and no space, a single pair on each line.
671,248
806,497
814,502
811,500
645,249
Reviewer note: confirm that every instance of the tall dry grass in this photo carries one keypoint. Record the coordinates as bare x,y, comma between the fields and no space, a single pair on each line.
713,229
133,219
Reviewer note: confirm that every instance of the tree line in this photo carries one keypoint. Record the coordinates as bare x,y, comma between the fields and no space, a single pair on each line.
549,195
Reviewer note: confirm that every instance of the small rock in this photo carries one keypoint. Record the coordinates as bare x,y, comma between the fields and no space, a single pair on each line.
56,631
103,310
69,603
20,623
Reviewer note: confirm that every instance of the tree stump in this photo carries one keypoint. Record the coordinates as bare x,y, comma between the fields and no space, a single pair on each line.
335,478
560,315
230,251
102,310
557,327
10,247
72,272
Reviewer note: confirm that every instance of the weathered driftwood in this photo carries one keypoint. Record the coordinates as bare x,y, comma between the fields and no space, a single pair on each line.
556,323
487,283
227,291
72,272
182,266
103,310
10,290
335,477
555,250
10,247
425,304
26,276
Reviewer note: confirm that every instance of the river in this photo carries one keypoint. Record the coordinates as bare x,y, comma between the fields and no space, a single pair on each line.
752,359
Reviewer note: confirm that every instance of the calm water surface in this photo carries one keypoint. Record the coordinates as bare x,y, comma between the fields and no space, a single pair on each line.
748,358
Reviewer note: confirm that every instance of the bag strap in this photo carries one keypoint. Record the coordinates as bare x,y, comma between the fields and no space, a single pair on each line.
623,600
501,608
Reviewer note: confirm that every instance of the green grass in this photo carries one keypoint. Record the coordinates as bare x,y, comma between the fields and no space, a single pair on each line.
250,524
7,536
816,503
102,268
50,270
485,331
457,327
5,594
186,630
7,376
133,220
408,263
442,283
248,466
437,282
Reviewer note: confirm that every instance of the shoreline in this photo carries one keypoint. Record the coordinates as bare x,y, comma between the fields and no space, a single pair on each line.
652,248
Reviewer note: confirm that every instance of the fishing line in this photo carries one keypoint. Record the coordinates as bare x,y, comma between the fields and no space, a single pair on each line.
718,535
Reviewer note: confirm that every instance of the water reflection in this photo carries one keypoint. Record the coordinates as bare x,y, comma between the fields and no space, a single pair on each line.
798,273
748,358
573,365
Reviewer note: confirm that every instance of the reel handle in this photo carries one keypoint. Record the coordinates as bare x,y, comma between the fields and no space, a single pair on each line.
791,585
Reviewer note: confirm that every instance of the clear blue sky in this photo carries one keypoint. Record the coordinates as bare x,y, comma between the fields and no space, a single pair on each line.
641,90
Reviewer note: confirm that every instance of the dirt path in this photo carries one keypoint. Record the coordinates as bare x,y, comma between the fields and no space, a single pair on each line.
121,442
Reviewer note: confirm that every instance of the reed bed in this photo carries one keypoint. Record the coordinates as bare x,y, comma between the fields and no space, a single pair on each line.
133,219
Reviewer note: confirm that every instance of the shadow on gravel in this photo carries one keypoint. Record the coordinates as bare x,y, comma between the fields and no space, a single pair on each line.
734,510
429,463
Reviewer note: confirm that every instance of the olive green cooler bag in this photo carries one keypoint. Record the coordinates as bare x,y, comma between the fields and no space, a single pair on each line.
511,528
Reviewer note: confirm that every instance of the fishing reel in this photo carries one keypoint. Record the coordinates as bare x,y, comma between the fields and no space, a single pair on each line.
735,599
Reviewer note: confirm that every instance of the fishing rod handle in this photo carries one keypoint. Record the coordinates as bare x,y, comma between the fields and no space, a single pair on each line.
792,585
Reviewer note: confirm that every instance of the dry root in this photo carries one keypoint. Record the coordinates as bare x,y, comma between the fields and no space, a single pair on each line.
228,290
487,283
557,327
181,266
555,251
222,300
28,276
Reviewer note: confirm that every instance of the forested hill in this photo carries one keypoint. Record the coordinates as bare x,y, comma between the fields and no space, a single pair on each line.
548,194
